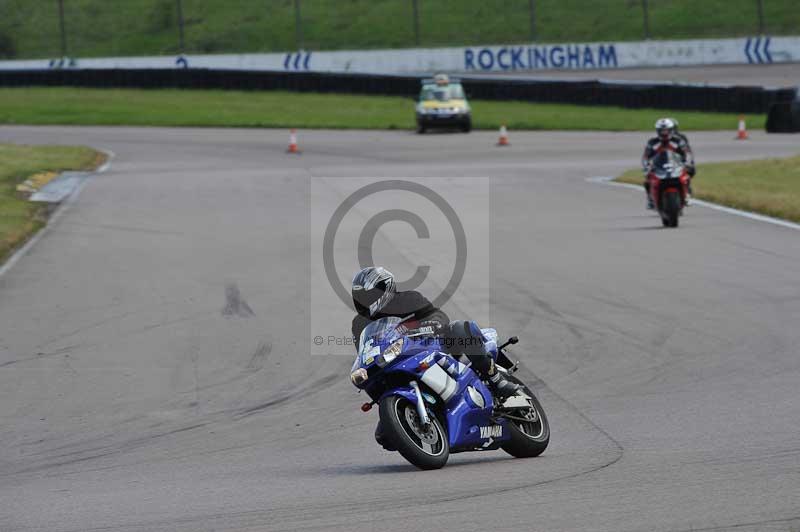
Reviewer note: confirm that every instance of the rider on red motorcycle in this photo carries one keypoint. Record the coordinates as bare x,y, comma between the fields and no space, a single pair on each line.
667,138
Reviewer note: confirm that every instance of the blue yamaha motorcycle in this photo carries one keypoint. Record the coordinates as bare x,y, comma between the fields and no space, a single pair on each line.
432,404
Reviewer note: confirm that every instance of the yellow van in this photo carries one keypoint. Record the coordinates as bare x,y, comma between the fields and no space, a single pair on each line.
443,104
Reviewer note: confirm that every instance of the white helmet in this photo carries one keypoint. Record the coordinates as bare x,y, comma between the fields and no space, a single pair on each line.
665,127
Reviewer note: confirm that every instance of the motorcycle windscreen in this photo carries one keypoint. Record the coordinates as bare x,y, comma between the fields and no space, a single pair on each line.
667,164
375,336
382,331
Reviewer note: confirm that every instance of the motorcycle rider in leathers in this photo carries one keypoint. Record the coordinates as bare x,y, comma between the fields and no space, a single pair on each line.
375,297
667,138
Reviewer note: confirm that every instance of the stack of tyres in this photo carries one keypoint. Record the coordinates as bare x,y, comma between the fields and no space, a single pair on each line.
784,117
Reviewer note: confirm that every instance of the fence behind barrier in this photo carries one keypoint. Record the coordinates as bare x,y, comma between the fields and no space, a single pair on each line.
104,28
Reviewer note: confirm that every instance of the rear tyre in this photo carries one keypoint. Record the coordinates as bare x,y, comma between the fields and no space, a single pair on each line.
528,438
421,129
426,448
466,127
672,208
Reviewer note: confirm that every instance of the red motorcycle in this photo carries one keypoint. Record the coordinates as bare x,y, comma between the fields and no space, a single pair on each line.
669,185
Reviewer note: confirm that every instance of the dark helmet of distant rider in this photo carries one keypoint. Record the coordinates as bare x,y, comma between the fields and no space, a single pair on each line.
373,289
665,129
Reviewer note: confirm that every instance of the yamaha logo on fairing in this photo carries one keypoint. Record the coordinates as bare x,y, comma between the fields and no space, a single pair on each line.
492,431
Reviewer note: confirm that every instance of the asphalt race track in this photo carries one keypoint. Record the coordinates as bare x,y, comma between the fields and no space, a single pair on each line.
153,374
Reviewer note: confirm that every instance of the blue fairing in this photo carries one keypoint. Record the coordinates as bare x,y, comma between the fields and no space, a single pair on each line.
444,381
408,393
465,418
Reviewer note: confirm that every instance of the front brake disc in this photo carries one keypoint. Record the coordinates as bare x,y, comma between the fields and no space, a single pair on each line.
428,436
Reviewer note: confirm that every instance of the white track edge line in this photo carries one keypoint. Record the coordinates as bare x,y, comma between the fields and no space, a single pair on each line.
604,180
59,212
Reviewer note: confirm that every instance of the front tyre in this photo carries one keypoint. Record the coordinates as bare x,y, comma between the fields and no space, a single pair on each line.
530,437
672,208
426,448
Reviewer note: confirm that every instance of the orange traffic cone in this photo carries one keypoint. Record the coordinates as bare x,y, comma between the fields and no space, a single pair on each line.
742,133
503,141
293,142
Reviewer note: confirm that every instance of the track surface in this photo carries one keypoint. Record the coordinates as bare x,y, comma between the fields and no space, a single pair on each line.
668,359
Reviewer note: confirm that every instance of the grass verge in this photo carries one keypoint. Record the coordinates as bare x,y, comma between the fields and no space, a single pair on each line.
171,107
20,218
766,186
104,28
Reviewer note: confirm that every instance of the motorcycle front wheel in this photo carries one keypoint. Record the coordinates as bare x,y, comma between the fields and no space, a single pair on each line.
425,447
672,209
530,434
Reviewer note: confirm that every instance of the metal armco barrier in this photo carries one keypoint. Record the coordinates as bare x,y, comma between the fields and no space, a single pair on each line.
622,94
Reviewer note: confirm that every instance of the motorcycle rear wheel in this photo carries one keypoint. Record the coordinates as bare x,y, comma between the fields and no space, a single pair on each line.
426,448
528,438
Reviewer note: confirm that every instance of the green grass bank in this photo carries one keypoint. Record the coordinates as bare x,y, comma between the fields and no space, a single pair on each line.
766,186
103,28
20,218
277,109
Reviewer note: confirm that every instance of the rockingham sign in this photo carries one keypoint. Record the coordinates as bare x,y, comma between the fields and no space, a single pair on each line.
572,56
590,56
527,57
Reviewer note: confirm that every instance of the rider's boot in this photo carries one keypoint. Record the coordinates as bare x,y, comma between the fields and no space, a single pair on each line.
465,337
501,387
380,437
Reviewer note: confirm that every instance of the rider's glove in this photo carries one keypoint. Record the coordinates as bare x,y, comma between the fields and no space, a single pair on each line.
436,324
